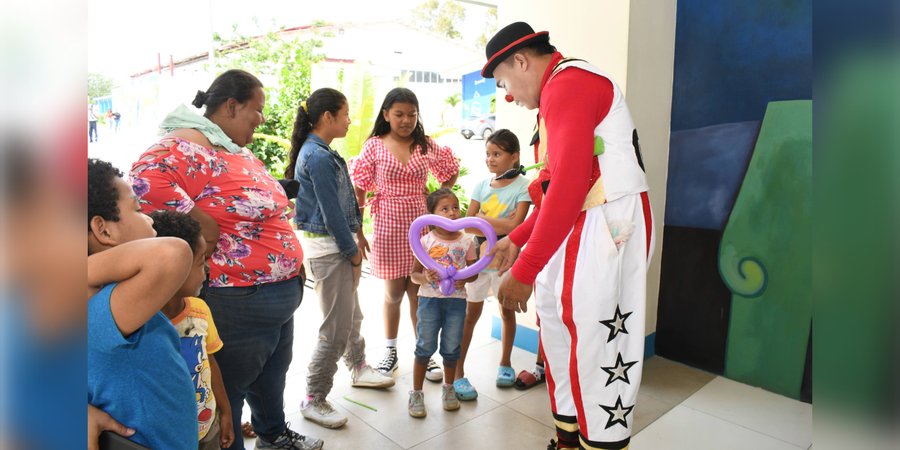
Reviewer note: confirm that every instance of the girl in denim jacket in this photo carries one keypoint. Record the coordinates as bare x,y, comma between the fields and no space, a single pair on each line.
329,216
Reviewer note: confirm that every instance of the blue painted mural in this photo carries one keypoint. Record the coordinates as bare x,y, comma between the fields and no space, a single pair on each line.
733,60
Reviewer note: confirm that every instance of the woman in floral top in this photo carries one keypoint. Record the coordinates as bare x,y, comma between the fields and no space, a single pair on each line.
201,167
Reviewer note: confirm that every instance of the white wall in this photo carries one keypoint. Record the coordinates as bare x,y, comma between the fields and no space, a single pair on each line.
634,42
651,64
602,39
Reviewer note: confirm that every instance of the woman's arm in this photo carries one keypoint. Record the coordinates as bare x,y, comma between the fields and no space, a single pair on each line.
360,198
208,228
451,182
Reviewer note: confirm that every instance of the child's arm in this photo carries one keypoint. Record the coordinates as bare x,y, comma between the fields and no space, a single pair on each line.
460,284
222,403
98,422
420,275
502,226
474,208
473,277
472,211
149,272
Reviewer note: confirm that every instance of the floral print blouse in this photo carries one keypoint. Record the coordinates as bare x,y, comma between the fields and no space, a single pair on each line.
256,242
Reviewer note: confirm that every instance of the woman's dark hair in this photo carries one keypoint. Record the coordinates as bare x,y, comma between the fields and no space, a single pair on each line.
176,224
322,100
505,139
383,127
433,198
103,197
234,83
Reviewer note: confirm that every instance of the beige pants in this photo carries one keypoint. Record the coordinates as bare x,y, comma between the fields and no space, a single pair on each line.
342,318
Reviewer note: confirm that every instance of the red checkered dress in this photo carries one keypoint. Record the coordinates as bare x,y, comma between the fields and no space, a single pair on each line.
399,199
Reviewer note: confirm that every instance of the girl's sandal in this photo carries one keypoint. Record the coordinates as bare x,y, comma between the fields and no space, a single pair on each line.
527,380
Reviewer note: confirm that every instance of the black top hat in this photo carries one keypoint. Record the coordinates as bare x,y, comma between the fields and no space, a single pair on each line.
509,39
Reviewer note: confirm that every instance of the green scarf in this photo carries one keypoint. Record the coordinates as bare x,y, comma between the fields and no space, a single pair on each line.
182,117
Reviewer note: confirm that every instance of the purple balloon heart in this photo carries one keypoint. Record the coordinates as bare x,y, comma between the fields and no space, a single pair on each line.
449,275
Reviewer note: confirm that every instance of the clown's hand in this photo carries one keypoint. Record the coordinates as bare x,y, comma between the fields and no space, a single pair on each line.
505,254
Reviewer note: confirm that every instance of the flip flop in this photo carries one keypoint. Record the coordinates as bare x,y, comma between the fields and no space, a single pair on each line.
464,390
505,376
527,380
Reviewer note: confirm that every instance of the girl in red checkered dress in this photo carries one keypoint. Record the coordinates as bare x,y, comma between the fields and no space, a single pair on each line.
394,164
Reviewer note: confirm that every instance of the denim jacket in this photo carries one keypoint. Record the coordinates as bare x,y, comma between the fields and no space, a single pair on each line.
326,202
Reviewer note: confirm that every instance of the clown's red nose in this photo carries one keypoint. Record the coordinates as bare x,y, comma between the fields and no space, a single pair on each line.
509,98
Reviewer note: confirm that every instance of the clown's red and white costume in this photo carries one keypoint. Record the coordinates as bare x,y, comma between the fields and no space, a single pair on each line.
589,243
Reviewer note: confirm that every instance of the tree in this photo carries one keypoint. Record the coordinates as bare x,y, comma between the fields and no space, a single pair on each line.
359,87
490,27
290,63
441,17
453,100
99,85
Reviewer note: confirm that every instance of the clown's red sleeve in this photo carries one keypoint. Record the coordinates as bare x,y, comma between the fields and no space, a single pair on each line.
573,103
521,233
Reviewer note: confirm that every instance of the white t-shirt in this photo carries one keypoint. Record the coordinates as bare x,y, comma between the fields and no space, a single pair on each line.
446,253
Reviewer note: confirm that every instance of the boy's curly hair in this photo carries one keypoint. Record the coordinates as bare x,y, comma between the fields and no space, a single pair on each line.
102,193
176,224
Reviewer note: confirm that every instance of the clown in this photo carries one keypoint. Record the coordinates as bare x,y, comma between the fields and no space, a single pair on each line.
588,239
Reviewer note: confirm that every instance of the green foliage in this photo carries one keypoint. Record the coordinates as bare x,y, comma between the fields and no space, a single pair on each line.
359,86
98,85
289,62
490,27
454,99
442,17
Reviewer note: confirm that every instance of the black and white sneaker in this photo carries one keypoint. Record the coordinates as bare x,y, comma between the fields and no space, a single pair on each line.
389,363
290,440
434,372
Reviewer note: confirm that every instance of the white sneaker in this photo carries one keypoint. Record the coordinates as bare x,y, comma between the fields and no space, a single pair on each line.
416,404
433,372
320,411
448,398
366,376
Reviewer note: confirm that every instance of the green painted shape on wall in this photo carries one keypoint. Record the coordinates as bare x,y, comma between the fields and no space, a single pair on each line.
764,256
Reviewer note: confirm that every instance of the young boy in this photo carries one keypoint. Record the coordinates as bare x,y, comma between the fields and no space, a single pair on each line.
199,338
135,371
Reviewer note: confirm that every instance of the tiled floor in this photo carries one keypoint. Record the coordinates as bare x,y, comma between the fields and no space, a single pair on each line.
678,407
